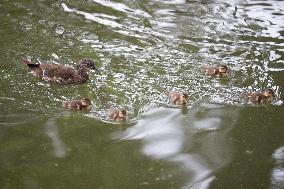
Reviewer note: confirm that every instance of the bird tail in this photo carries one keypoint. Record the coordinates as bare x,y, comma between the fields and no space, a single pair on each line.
28,62
25,61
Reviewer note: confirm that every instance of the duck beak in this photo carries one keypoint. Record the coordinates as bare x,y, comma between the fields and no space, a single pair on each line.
95,68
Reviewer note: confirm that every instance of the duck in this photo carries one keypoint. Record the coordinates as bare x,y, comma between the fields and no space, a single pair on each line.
219,71
117,114
82,104
61,74
265,96
178,98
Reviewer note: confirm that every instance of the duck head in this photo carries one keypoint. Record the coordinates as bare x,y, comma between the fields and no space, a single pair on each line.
223,69
86,102
122,114
269,93
184,98
85,63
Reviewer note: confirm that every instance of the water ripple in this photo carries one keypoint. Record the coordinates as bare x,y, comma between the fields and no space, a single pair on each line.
122,7
143,54
94,17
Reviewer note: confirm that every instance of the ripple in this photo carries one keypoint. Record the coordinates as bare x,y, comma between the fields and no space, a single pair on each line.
264,17
122,7
17,119
94,17
144,50
143,54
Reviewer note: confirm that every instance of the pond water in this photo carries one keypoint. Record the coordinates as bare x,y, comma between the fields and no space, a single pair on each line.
144,49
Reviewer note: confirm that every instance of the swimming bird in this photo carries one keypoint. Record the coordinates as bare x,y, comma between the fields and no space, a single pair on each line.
117,115
82,104
178,98
265,96
218,71
61,74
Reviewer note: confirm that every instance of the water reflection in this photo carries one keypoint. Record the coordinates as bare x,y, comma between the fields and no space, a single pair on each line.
190,140
262,14
105,20
277,175
51,131
122,7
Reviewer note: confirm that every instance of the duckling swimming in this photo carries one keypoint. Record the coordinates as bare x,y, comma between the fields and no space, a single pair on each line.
178,98
82,104
265,96
118,115
61,74
218,71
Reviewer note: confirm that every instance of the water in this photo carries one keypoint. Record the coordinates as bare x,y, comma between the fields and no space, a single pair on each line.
144,49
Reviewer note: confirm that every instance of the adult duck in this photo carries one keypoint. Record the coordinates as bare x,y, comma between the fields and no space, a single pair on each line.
61,74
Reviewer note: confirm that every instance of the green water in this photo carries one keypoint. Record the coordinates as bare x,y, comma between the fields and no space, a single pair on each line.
144,49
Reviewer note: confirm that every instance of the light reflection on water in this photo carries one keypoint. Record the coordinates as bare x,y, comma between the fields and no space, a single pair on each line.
277,175
94,17
263,15
197,141
51,131
122,7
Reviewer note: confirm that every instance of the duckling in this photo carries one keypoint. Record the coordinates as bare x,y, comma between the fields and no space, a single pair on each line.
82,104
61,74
178,98
118,115
218,71
265,96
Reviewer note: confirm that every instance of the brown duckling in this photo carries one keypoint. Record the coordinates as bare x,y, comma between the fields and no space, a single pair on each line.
61,74
117,115
218,71
178,98
265,96
82,104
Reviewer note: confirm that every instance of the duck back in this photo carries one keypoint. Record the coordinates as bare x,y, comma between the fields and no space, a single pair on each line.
57,73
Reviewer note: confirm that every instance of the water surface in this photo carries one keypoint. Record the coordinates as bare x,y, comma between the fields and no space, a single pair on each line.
144,49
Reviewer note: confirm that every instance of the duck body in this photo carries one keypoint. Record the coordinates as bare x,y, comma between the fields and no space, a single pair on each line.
218,71
117,115
82,104
178,98
266,96
61,74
